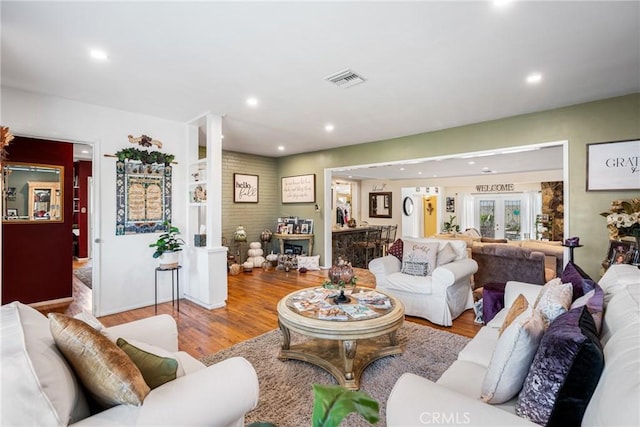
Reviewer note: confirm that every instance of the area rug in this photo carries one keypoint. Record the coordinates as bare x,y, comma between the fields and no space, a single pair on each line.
286,397
84,275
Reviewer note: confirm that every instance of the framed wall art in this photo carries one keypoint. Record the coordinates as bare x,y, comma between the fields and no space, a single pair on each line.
450,204
143,197
299,189
245,188
613,165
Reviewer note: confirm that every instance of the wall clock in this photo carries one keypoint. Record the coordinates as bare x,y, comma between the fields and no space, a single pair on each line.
407,206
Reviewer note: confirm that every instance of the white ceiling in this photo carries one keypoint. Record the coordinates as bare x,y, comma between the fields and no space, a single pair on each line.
428,65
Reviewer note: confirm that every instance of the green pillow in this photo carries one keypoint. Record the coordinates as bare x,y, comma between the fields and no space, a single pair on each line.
155,370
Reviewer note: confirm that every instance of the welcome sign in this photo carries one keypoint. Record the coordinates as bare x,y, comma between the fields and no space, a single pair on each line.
495,188
613,165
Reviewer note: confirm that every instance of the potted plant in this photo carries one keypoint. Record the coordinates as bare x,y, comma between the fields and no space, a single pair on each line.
331,403
451,226
168,247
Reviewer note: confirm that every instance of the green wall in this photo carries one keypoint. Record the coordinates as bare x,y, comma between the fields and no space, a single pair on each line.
605,120
254,217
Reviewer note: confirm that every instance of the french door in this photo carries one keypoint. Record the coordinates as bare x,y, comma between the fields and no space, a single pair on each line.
501,216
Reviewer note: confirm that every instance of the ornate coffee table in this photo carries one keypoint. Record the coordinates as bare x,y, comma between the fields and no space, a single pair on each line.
343,346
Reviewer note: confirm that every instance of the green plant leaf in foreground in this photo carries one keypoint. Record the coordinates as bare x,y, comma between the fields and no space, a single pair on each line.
332,403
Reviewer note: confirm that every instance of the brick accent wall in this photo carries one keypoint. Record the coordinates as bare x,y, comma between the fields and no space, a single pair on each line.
255,217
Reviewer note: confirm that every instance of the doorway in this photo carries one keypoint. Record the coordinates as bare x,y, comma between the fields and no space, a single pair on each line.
539,157
503,216
82,261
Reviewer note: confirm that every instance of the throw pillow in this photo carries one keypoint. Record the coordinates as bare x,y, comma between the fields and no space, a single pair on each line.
38,384
594,300
512,358
518,307
309,262
418,258
396,249
89,319
156,370
446,255
576,276
553,300
104,369
564,373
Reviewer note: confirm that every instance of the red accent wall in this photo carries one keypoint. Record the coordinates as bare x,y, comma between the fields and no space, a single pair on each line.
37,257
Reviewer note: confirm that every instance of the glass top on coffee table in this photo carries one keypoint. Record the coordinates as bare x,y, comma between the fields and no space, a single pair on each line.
320,303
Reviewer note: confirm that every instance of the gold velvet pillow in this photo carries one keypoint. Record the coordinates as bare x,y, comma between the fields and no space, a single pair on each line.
518,307
105,370
156,370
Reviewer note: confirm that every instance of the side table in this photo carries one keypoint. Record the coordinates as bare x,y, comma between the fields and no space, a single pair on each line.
286,237
177,283
571,248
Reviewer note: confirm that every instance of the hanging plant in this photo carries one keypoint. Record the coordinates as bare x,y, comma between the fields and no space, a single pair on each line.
144,156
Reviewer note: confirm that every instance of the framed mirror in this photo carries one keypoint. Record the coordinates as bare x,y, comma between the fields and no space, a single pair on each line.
32,192
380,205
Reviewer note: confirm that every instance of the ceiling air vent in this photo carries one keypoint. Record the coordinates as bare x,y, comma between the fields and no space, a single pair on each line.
345,79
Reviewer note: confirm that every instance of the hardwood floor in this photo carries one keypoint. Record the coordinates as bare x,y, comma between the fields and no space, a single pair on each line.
250,310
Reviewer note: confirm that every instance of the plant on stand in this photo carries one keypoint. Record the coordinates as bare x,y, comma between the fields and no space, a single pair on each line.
168,247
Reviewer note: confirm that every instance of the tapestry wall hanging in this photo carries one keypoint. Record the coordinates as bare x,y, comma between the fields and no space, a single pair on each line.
143,197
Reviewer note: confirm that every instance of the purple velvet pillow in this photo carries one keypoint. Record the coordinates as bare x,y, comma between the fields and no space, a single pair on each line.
396,249
564,373
576,276
594,300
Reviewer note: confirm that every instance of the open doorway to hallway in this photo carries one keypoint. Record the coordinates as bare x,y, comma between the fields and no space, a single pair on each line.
81,287
82,231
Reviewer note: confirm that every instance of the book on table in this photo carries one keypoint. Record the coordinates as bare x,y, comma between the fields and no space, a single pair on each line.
373,298
332,312
308,305
358,311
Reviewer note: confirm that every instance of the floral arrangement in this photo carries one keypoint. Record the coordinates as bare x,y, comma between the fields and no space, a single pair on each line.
340,275
623,219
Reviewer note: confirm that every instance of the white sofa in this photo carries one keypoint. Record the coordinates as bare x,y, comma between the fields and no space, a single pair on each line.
40,388
454,398
439,297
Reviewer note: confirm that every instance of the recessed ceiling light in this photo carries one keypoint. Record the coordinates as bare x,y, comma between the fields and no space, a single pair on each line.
401,169
534,78
419,173
486,168
252,102
435,176
281,147
98,54
221,136
471,162
85,151
501,2
329,127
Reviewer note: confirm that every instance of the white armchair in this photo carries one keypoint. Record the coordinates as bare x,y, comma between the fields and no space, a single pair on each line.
439,297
